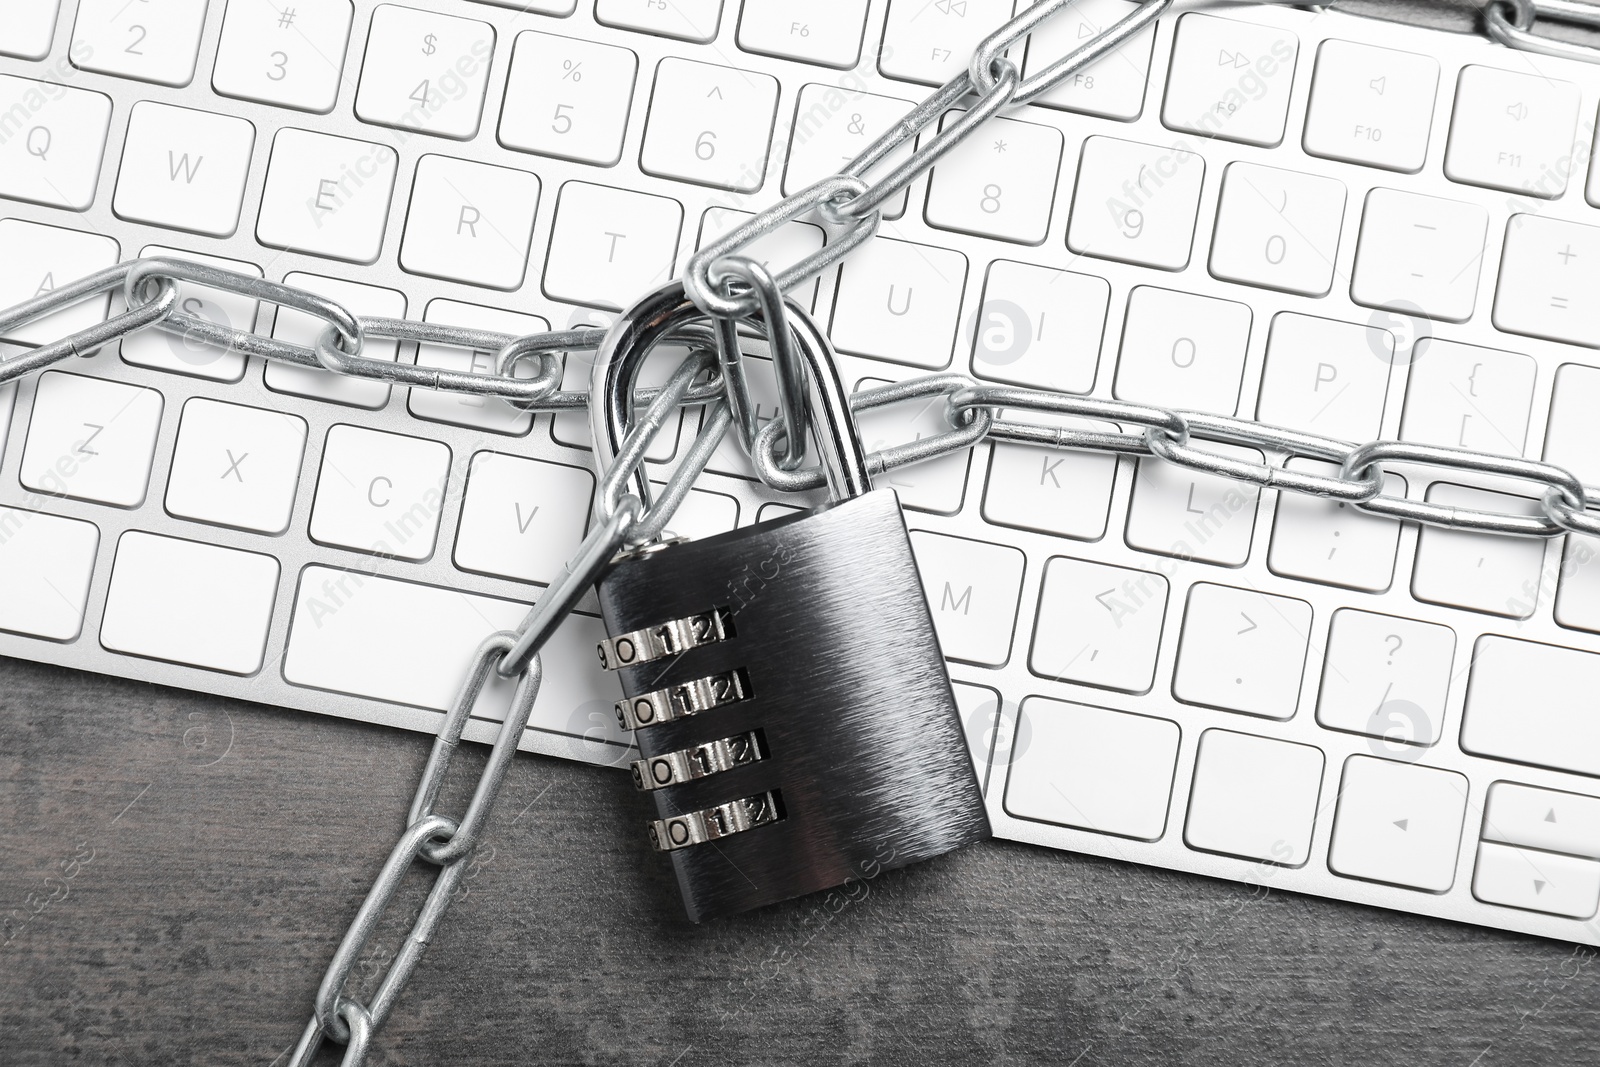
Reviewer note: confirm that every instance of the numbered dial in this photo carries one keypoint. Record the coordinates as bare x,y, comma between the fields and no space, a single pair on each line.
568,98
667,639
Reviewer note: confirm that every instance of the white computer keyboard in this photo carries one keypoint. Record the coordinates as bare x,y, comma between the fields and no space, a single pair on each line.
1346,226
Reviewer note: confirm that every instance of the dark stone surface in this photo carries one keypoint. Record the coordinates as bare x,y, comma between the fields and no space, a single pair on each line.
230,844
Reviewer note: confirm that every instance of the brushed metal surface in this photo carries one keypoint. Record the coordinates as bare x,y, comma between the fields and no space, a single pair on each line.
848,688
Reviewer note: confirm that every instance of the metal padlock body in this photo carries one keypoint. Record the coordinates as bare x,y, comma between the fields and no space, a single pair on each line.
861,743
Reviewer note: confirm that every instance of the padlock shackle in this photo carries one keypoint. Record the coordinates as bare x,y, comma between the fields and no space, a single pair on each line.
661,313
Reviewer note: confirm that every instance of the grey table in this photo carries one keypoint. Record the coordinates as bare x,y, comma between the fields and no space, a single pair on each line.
217,850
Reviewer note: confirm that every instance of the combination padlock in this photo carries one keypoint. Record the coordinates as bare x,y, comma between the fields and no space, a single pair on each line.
785,686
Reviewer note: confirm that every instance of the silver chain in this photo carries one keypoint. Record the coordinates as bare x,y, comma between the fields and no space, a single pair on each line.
731,289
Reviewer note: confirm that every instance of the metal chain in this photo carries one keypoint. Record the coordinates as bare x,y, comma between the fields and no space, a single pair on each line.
732,290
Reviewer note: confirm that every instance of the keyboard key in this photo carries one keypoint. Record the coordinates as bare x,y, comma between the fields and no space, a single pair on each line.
236,466
687,20
1242,651
1326,377
1512,131
938,485
702,514
1230,80
1332,542
1020,336
1060,492
1386,677
1398,823
184,169
1182,513
559,8
183,354
973,588
8,396
709,125
1577,597
1181,350
1573,401
1466,397
983,715
30,27
900,302
1479,571
1254,797
409,643
470,222
930,42
187,602
463,409
730,456
425,71
302,329
827,33
1547,275
1136,203
45,565
568,98
1278,229
1093,769
1099,625
327,195
522,518
1371,105
389,639
1001,184
830,130
132,41
789,243
56,158
1419,255
91,439
1522,705
571,428
56,257
275,53
1113,86
1536,881
380,492
1543,818
609,245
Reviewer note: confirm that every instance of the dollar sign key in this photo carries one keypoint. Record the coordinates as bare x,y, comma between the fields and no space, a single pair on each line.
427,44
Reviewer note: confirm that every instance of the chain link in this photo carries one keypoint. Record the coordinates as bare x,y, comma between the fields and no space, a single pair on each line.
730,291
429,838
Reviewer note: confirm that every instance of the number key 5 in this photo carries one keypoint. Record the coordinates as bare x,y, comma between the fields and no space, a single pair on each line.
568,98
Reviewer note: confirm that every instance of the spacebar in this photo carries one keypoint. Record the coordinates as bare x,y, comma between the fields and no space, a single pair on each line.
388,639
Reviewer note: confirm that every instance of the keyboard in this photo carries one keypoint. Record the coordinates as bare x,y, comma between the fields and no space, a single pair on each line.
1345,226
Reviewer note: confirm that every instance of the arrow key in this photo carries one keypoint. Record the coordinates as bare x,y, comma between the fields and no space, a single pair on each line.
1536,881
1398,823
1543,818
